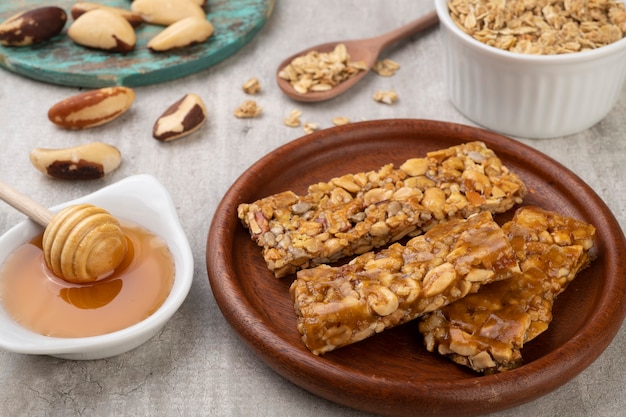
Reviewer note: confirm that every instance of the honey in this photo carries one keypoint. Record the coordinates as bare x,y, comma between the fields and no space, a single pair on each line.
44,303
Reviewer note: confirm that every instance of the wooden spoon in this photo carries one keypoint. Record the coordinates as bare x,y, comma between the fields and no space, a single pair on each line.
81,243
366,50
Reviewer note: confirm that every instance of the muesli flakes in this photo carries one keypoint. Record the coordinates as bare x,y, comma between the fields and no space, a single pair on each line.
541,27
321,71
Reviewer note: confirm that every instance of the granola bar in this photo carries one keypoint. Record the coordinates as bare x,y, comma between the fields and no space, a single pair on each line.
487,330
355,213
337,306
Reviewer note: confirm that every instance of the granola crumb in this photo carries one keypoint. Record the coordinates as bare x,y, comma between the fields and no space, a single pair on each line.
386,97
248,109
386,67
310,127
340,120
293,120
252,86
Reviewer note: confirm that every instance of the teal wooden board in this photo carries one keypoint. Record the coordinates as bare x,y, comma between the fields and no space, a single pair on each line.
61,61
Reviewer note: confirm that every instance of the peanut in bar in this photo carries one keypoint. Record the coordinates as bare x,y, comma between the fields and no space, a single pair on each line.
487,330
354,213
337,306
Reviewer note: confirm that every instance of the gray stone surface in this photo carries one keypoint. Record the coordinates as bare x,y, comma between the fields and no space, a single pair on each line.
197,365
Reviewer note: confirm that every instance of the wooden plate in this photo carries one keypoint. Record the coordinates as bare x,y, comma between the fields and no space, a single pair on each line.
61,61
392,373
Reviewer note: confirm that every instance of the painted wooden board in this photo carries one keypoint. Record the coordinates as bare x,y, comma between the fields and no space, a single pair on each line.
61,61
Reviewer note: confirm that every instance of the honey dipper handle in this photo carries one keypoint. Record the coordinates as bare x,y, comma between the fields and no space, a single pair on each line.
25,205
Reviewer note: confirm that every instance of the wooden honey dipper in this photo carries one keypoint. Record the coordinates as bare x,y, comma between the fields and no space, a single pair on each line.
81,243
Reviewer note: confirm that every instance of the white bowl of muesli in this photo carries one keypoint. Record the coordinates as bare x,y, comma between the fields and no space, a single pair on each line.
528,69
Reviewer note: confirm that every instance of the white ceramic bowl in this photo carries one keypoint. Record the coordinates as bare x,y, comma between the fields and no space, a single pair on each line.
140,199
530,95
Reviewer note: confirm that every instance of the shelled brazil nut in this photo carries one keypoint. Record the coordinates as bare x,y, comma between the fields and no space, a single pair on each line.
90,161
180,119
32,26
166,12
91,108
103,29
186,32
83,7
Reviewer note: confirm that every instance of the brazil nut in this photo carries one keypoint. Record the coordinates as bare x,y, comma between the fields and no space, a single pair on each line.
180,119
186,32
103,29
166,12
91,108
32,26
90,161
83,7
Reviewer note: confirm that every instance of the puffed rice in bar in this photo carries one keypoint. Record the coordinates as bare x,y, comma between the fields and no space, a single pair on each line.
487,330
337,306
355,213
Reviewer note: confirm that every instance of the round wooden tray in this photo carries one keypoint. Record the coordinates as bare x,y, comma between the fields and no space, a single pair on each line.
392,373
61,61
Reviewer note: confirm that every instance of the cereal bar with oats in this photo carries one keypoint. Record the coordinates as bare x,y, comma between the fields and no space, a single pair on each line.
337,306
487,330
355,213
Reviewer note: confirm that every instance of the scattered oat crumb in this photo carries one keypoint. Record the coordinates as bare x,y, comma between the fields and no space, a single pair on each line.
293,120
252,86
340,120
387,97
248,109
386,67
310,127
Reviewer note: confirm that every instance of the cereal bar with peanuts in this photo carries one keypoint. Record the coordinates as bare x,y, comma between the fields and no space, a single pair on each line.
354,213
337,306
487,330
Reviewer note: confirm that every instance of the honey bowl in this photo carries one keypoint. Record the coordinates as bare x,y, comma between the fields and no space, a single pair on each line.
142,202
